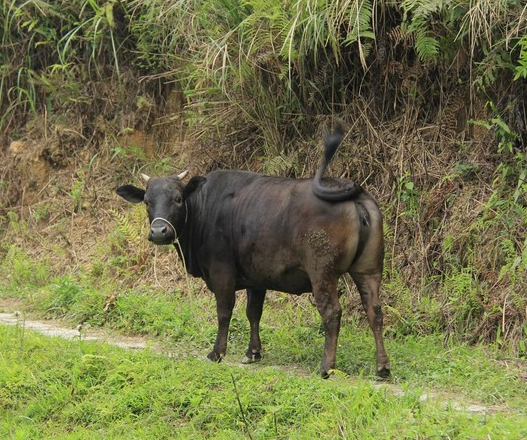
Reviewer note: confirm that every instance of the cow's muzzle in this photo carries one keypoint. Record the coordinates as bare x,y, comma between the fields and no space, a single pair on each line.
162,231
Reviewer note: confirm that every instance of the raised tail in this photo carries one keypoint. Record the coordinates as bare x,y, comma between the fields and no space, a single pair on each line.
337,190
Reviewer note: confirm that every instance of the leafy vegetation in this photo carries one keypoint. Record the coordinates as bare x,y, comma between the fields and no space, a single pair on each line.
272,63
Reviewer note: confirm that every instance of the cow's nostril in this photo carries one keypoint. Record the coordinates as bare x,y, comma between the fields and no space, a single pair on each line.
156,232
164,230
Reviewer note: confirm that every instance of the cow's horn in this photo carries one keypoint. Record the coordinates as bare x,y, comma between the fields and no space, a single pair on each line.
182,175
145,177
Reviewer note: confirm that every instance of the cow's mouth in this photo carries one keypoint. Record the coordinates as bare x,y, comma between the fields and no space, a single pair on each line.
161,241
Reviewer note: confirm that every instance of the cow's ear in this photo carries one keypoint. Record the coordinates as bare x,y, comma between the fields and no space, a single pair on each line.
131,193
194,185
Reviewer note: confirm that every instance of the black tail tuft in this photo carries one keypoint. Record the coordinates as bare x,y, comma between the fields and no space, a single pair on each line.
332,142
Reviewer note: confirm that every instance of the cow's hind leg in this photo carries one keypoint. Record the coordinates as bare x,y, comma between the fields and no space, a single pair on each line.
255,300
368,285
225,300
327,302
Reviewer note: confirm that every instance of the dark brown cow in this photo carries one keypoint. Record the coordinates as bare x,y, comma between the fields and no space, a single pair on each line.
243,230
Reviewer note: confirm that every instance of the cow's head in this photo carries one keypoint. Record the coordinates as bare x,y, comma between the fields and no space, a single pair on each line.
165,200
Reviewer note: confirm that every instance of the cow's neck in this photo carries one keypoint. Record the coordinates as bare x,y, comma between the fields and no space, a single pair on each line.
185,246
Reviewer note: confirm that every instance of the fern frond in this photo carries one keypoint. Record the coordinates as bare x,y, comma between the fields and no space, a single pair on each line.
131,226
426,47
359,23
418,15
281,165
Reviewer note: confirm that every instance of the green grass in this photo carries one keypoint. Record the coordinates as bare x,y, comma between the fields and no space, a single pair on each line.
51,388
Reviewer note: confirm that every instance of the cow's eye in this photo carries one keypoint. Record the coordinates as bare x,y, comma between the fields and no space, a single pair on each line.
177,199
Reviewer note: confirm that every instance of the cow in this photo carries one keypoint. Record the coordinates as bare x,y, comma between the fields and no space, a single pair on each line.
244,230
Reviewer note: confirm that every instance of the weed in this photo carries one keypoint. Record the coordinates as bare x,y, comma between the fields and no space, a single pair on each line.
42,211
59,297
521,68
20,328
77,193
462,294
134,151
408,195
20,272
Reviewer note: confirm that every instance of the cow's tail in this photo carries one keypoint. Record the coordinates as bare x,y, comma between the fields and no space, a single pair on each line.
338,191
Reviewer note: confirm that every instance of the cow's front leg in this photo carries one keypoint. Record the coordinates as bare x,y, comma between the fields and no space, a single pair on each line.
225,300
255,301
327,301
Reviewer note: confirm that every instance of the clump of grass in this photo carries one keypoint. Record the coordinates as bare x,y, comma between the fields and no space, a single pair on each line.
22,274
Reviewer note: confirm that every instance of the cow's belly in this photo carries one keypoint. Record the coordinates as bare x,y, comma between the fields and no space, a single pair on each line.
289,280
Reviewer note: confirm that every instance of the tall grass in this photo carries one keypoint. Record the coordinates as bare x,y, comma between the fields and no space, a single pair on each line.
51,50
276,65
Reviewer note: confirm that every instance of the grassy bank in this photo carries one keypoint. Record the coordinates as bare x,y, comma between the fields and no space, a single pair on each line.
75,390
58,389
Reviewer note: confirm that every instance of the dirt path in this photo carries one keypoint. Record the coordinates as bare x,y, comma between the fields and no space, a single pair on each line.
56,329
52,328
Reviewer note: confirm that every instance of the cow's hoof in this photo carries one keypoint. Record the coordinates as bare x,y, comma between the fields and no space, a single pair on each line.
214,357
383,372
325,374
252,358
